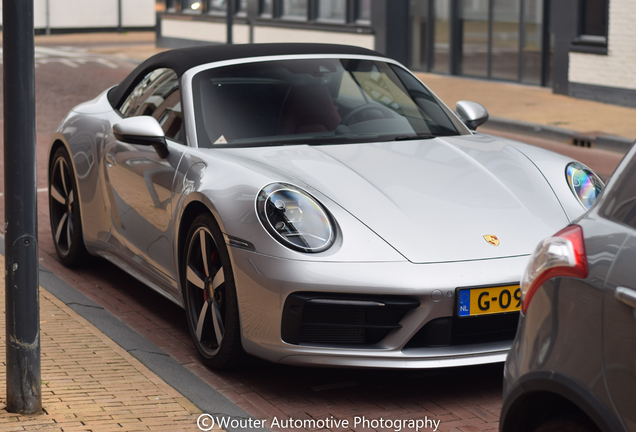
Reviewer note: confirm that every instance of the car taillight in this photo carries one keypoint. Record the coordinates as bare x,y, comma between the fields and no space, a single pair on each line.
563,254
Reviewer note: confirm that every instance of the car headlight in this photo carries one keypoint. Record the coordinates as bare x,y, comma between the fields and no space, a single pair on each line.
585,184
295,218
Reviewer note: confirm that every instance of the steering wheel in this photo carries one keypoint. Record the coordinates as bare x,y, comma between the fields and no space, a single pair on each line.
386,112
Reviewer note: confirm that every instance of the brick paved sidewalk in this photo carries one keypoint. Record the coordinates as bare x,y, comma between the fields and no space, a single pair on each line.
535,105
89,383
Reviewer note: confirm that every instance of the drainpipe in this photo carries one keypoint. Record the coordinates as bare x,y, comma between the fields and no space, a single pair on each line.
230,20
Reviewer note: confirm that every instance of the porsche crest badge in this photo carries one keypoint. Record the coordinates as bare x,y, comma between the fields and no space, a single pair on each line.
492,239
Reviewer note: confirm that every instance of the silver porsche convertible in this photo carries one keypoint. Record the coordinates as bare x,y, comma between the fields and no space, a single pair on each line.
311,205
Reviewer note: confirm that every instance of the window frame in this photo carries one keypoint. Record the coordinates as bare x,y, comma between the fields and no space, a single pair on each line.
586,43
261,9
287,17
344,19
151,87
356,12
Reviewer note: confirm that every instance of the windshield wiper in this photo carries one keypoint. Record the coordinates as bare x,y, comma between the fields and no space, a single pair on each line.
413,137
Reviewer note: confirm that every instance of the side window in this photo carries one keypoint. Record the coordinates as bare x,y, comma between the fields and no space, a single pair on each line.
133,103
166,105
158,95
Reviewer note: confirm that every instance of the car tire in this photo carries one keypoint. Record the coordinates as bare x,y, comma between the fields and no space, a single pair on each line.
209,295
567,424
64,210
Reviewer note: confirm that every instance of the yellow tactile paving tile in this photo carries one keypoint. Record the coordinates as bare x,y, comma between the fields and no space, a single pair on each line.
89,383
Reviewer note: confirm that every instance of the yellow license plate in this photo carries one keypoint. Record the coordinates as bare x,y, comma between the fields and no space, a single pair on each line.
485,301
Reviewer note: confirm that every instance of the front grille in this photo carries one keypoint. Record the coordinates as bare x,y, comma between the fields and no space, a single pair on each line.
447,331
342,319
489,328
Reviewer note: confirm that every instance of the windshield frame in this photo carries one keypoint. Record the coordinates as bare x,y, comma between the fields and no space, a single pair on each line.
188,97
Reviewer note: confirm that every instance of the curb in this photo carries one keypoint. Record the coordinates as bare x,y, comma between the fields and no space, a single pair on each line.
606,142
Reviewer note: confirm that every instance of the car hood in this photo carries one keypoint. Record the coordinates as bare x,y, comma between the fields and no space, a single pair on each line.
433,200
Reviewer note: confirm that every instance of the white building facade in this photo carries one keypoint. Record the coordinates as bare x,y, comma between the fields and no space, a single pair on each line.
610,75
64,16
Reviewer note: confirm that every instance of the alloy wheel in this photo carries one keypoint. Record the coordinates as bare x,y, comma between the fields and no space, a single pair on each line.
206,291
62,200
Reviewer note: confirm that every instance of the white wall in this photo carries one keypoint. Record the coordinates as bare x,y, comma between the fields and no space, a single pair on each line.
194,30
39,13
618,68
208,31
92,13
138,13
279,34
82,13
204,31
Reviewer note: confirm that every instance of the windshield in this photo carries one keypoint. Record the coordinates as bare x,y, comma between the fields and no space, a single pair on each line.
317,101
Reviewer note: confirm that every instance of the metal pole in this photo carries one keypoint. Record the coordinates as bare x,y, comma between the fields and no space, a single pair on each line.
24,389
230,20
253,11
522,39
491,17
48,17
119,19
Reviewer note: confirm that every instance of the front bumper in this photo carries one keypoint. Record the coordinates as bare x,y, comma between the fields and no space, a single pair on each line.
264,283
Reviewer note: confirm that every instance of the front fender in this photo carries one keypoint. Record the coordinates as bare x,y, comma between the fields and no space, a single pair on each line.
227,186
526,397
552,166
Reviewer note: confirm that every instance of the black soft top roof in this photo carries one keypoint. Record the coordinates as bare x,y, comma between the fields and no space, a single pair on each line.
180,60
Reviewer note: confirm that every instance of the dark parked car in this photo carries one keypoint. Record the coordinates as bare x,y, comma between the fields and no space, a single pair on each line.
572,366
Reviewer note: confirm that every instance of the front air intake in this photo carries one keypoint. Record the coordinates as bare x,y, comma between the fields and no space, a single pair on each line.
311,318
342,319
451,331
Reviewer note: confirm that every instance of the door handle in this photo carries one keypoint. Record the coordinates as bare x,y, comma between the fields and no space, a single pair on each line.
626,295
110,160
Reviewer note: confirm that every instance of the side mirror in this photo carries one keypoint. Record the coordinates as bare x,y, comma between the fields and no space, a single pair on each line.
142,130
471,113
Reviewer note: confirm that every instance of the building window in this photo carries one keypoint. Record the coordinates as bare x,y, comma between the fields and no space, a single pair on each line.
593,20
363,10
169,6
314,11
192,6
332,10
216,6
266,7
295,9
532,36
240,7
